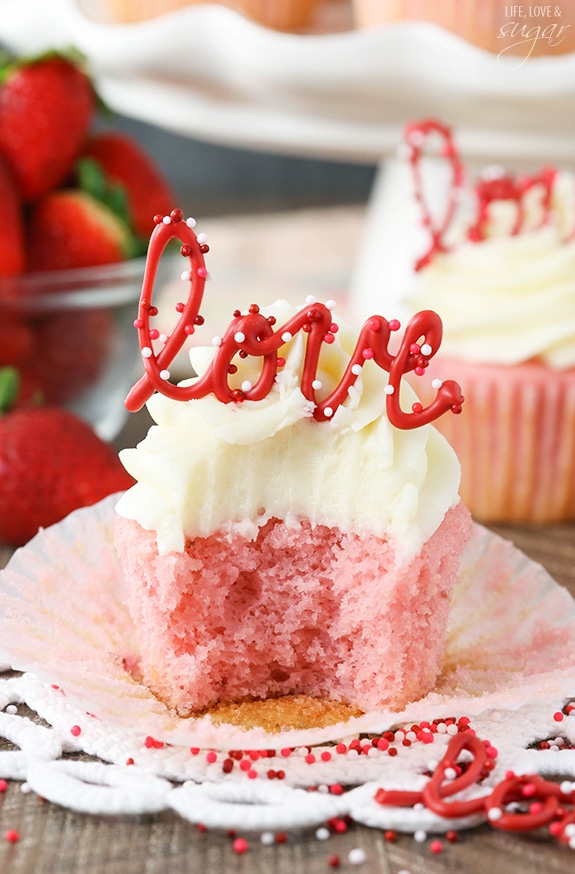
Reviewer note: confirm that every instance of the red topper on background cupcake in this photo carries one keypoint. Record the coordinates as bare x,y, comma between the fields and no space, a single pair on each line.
253,334
494,186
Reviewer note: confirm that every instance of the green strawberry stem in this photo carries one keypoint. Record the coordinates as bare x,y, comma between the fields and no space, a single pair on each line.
9,388
93,181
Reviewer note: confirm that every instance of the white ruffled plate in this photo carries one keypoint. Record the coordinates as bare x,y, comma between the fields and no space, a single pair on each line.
63,619
343,95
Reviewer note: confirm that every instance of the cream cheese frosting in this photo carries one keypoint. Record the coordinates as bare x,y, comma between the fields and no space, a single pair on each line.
206,466
509,298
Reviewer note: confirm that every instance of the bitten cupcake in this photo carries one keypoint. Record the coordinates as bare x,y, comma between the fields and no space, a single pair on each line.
296,527
501,269
498,26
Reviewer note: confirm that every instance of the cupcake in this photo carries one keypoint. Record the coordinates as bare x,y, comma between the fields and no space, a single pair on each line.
276,14
295,528
501,270
496,26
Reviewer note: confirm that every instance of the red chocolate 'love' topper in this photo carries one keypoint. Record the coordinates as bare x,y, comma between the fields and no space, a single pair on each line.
253,334
494,186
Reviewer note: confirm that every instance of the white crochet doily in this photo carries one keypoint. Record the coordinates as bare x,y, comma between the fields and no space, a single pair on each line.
509,668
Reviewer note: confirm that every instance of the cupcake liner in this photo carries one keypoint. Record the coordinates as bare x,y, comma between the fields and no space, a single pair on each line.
515,440
509,666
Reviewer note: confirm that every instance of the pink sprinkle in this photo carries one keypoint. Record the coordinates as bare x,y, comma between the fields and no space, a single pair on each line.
285,752
382,744
76,730
12,836
336,789
394,325
326,756
558,717
3,785
341,749
252,774
435,847
211,757
310,758
180,307
245,765
138,323
194,750
202,271
368,353
240,845
329,338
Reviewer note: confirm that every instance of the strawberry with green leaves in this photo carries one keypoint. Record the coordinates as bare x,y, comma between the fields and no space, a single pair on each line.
124,165
46,108
69,228
51,463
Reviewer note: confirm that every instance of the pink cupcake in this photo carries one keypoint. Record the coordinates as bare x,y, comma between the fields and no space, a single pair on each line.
296,527
495,25
276,14
501,270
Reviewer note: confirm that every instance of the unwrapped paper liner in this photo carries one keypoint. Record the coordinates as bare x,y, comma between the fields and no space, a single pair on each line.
509,667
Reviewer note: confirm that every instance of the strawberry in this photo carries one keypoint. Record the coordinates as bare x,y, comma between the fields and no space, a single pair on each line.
16,339
123,162
71,349
46,107
70,228
12,255
51,462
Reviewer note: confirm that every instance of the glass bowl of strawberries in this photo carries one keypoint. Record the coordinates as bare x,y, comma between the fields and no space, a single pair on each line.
70,335
77,206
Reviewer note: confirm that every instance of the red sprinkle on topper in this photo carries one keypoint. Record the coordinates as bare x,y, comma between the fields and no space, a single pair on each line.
488,190
253,334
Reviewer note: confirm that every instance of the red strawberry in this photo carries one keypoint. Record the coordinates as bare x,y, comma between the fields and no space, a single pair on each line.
46,106
123,162
71,351
51,463
12,255
69,228
16,339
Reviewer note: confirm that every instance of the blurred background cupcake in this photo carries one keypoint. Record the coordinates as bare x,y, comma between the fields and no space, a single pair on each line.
277,14
518,30
500,269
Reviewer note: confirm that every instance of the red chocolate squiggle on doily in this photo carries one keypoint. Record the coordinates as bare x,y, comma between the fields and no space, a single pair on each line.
518,803
253,334
488,190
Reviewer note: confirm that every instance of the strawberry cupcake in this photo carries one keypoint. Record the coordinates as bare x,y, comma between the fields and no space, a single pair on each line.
501,270
276,14
296,528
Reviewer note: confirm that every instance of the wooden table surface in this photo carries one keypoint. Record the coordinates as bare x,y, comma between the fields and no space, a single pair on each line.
56,840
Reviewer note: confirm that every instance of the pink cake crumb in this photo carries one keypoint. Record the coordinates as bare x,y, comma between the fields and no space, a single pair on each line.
310,610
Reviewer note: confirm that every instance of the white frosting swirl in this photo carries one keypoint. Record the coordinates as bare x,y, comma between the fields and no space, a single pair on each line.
208,466
508,299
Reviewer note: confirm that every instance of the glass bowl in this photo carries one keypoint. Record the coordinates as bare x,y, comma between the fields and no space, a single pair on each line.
70,334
